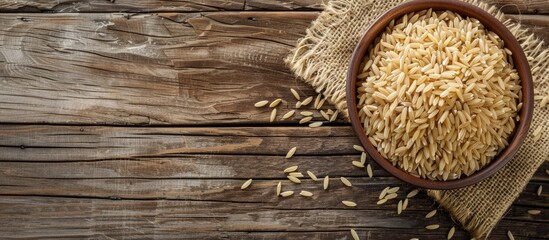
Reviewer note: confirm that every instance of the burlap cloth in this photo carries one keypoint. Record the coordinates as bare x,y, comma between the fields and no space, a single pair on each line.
322,57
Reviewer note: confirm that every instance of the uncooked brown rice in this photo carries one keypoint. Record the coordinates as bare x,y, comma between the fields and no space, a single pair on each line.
334,116
306,101
510,235
358,148
413,193
451,233
312,175
325,115
289,114
354,234
346,182
349,203
294,179
382,201
261,103
438,97
369,171
296,174
358,164
326,182
363,158
306,113
296,95
305,120
393,190
287,193
391,196
432,226
534,211
290,169
540,189
273,115
306,193
246,184
383,193
399,207
291,152
405,204
275,103
431,214
278,188
315,124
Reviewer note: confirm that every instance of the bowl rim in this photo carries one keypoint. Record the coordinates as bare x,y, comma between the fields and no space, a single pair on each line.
490,23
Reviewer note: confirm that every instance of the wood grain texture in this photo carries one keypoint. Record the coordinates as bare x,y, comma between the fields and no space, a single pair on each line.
159,69
507,6
183,185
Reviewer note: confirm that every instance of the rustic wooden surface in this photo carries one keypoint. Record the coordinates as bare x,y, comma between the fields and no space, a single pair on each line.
135,120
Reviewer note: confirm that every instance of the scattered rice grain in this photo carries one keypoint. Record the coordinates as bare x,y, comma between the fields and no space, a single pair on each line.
273,115
510,235
413,193
538,192
383,193
432,226
246,184
306,113
290,169
312,175
349,203
326,182
278,188
334,116
275,103
288,114
296,174
358,164
391,196
346,182
369,171
382,201
261,103
291,152
315,124
307,101
305,120
393,190
534,212
405,204
354,234
451,233
294,179
306,193
296,95
431,214
287,193
399,207
358,148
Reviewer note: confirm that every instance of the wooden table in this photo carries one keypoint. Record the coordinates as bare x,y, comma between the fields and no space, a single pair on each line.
134,119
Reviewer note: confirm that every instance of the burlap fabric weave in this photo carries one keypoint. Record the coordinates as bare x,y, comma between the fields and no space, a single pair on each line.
322,57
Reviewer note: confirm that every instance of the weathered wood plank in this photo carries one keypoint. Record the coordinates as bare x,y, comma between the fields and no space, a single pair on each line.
119,5
163,68
149,69
35,217
508,6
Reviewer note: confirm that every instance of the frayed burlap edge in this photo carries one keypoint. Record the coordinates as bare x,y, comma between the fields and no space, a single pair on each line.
304,61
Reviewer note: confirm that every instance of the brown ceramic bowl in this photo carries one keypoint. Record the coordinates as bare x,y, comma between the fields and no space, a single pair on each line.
519,59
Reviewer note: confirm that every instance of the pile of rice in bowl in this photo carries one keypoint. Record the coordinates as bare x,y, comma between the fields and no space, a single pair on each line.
438,94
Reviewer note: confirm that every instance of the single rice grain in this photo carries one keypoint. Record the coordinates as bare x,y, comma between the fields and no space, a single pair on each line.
383,193
391,196
358,148
278,188
405,204
399,207
315,124
431,214
451,233
354,234
413,193
538,192
273,115
382,201
358,164
306,101
369,171
510,235
312,175
334,116
288,114
306,113
291,152
261,103
346,182
393,190
296,174
432,226
290,169
287,193
296,95
306,193
305,120
246,184
326,182
294,179
275,103
349,203
534,212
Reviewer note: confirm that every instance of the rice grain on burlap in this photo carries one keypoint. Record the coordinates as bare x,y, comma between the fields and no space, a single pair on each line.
321,59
